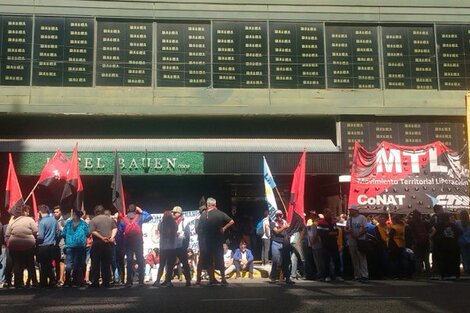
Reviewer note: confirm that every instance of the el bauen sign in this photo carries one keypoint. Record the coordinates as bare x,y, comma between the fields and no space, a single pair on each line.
132,163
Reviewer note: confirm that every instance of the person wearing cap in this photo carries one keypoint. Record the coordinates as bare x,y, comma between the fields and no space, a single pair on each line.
356,227
279,257
75,233
134,242
182,242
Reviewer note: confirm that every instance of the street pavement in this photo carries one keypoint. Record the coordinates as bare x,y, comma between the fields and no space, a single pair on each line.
247,296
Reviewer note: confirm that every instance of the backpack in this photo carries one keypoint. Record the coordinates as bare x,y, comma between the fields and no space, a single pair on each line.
260,228
132,228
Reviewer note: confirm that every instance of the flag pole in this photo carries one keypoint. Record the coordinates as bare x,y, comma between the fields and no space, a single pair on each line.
34,188
282,201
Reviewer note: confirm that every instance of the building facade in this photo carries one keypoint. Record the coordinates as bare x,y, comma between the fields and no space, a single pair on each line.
130,71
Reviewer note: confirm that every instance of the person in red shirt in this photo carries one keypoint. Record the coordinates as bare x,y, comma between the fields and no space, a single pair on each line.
152,260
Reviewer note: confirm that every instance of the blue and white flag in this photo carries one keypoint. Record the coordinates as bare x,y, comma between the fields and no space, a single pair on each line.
269,185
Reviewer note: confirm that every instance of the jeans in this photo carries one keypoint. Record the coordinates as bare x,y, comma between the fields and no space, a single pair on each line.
101,254
280,257
74,265
319,259
45,256
265,251
238,267
167,263
359,260
22,259
182,255
3,264
332,256
136,248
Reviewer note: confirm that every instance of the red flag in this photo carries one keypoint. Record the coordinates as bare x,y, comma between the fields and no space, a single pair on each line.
35,207
295,212
13,197
73,185
55,169
118,189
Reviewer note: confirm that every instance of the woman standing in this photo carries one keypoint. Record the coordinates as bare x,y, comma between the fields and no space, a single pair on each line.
464,240
167,229
21,239
75,233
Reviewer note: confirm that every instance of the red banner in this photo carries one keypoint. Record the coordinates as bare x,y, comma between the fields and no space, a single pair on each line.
400,179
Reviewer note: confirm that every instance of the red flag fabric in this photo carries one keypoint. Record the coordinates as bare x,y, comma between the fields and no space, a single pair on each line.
13,197
35,207
295,212
73,185
55,169
118,199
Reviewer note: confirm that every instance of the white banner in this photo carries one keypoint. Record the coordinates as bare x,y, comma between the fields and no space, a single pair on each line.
152,238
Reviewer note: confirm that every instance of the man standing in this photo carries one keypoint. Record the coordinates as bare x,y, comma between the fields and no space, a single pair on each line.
213,224
328,232
60,248
266,238
182,243
47,240
356,227
134,242
103,229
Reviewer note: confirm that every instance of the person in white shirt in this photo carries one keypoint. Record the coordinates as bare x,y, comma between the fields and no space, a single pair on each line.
266,238
228,261
356,227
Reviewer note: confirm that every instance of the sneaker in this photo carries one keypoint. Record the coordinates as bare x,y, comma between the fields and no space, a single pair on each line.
198,282
156,284
290,282
327,279
128,285
188,283
167,284
141,284
224,282
272,281
363,280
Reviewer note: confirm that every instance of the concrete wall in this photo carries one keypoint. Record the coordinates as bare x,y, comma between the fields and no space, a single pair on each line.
200,101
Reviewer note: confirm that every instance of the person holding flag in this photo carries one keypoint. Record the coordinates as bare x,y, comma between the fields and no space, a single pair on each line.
280,248
269,186
296,216
265,229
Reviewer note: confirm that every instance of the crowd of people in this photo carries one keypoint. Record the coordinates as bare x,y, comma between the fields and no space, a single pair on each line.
383,246
107,249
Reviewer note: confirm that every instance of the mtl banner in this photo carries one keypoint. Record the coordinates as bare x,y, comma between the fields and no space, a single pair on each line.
400,179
